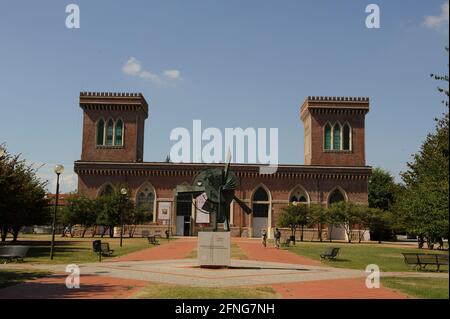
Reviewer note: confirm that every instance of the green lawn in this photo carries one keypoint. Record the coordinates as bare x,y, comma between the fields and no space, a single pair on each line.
76,250
162,291
236,253
358,256
9,277
432,288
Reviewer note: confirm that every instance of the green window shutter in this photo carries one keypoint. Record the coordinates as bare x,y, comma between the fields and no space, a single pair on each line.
119,133
100,132
109,132
346,137
327,137
337,137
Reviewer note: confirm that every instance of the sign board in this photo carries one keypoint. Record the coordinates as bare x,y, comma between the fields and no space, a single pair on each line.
214,249
164,210
202,217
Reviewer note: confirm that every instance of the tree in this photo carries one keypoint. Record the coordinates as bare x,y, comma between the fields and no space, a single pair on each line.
137,215
347,215
382,189
80,210
424,199
294,216
22,196
318,218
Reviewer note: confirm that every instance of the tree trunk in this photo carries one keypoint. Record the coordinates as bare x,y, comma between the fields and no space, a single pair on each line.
104,231
329,235
319,232
15,234
301,236
4,234
111,231
84,232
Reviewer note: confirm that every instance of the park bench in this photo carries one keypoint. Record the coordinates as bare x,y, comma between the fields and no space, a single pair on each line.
101,249
421,260
10,253
153,240
330,253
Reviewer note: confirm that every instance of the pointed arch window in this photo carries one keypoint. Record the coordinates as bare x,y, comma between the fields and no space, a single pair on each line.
118,131
346,133
109,132
299,196
107,191
100,132
335,197
145,200
337,137
260,203
327,137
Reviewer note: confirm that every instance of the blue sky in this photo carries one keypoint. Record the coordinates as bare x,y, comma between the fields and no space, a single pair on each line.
231,64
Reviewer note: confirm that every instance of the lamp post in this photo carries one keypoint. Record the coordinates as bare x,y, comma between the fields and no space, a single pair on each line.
59,169
124,192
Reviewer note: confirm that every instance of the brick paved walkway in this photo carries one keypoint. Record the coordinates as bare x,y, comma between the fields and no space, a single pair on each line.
176,249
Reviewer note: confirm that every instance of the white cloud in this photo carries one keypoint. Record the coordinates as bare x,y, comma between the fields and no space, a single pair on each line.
68,180
439,21
133,67
172,74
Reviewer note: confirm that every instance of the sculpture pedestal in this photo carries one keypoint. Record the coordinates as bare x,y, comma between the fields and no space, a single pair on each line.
214,249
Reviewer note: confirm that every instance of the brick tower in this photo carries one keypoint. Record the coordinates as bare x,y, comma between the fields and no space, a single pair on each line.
334,130
113,126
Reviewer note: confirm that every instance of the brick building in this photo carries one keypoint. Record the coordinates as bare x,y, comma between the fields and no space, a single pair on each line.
334,170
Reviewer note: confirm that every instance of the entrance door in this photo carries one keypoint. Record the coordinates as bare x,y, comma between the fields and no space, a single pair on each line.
180,225
187,226
260,207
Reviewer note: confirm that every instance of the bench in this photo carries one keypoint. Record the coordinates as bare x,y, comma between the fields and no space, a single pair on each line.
152,240
421,260
101,249
10,253
330,254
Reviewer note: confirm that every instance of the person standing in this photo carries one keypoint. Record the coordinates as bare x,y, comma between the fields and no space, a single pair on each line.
277,236
264,237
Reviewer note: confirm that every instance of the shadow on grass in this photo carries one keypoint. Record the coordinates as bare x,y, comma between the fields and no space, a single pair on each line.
54,287
14,277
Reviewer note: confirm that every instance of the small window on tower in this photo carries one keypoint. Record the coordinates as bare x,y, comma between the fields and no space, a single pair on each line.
337,137
327,137
100,132
118,141
346,137
109,132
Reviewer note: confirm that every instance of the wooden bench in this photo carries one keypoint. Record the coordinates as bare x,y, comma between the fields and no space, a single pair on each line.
153,240
10,253
421,260
330,254
101,249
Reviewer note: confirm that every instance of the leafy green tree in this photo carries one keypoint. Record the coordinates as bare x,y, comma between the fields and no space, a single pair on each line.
318,218
347,215
382,189
22,196
424,199
294,216
137,215
80,210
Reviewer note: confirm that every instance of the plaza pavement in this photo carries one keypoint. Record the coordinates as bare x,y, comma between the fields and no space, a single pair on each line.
290,275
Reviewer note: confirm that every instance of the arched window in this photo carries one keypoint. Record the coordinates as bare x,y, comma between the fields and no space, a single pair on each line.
299,196
109,132
145,200
260,203
107,190
337,137
101,132
327,137
346,137
118,139
335,197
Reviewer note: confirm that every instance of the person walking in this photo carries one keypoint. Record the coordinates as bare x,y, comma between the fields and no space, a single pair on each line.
264,237
277,237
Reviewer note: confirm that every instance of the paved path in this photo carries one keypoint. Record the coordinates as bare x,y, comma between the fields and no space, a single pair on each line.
176,249
256,251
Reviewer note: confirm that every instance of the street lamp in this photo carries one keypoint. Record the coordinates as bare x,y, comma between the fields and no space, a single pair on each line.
124,192
59,169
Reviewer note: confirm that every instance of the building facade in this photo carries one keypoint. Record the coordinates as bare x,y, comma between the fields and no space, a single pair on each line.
334,169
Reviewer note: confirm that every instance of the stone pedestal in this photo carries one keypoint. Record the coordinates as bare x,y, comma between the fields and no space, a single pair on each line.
214,249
